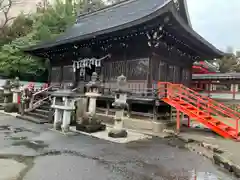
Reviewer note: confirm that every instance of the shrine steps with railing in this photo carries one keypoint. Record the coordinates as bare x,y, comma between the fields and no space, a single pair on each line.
214,115
40,115
40,108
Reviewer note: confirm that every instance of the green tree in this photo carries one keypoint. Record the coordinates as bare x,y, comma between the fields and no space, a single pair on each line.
228,64
13,62
21,26
86,6
49,21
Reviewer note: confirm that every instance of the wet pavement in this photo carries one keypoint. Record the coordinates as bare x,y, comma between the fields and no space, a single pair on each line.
51,155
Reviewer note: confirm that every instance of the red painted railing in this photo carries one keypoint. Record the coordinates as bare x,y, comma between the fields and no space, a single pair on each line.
202,103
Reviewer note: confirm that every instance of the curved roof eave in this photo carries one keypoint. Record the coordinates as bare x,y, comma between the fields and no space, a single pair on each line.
191,31
186,12
166,6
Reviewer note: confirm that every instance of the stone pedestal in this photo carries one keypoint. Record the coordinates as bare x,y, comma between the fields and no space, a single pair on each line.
120,104
63,105
16,90
89,122
16,94
81,108
92,101
158,127
7,94
118,131
58,116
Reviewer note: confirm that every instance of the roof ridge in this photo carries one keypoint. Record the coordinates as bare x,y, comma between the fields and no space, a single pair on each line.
114,5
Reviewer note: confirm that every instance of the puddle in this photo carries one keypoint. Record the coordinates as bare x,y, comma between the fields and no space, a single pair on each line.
203,176
36,145
7,129
17,138
4,128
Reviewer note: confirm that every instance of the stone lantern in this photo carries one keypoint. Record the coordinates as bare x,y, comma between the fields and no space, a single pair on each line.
7,91
16,90
63,105
120,104
89,122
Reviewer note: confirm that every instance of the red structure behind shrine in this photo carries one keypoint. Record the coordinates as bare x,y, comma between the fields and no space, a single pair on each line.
204,67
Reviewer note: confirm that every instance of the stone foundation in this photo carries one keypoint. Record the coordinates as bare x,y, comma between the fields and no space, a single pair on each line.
137,124
90,128
118,133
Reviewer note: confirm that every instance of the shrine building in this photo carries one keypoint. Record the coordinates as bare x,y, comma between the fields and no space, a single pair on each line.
145,40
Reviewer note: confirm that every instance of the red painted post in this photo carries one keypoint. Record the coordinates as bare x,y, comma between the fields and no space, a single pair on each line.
178,121
19,98
237,127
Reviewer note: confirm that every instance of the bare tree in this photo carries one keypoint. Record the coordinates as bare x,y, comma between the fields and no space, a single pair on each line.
5,17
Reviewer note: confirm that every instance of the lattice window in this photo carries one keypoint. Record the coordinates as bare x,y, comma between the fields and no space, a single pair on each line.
186,76
170,74
162,71
68,74
137,69
176,74
55,74
117,68
107,71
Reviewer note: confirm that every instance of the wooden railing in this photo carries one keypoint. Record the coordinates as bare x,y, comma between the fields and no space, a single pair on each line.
141,93
202,103
35,103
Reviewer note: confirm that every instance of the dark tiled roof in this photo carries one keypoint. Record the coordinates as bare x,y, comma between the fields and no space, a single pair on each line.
122,16
115,16
108,18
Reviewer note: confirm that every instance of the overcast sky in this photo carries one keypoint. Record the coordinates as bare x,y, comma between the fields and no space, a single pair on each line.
217,20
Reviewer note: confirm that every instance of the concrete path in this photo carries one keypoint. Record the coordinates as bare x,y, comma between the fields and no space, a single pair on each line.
10,169
50,155
226,151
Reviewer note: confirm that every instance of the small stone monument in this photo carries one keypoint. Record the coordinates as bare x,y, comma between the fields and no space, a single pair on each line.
24,100
63,104
16,90
89,122
120,104
7,91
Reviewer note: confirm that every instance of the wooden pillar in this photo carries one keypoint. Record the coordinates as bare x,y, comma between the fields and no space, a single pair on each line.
49,72
129,109
188,121
200,85
233,90
178,121
108,108
155,112
150,72
171,113
61,75
76,77
209,88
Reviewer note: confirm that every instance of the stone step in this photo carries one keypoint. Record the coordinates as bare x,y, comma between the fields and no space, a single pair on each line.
37,115
41,111
33,119
45,107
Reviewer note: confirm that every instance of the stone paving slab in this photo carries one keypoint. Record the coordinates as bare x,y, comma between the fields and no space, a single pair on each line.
132,136
10,114
10,169
224,152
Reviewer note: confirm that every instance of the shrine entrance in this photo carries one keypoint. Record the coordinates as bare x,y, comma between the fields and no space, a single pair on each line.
84,68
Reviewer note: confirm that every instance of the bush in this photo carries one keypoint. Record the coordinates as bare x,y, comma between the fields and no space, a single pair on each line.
11,107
